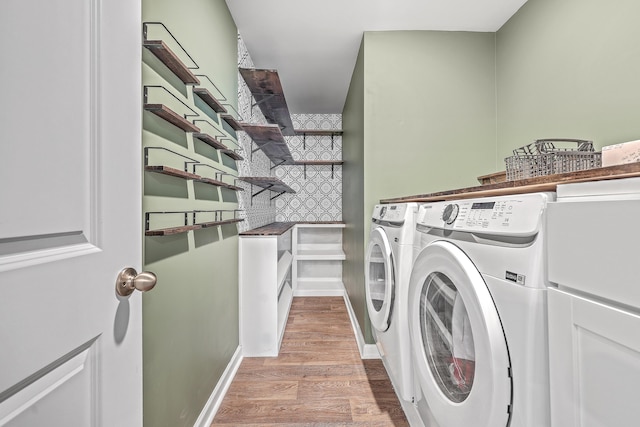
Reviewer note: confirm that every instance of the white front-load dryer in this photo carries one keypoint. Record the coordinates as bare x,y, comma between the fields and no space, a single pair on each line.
477,312
388,263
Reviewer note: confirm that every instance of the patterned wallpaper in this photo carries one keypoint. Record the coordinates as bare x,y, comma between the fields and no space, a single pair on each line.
318,196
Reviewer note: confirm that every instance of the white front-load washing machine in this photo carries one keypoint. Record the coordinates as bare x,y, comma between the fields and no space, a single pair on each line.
477,311
387,267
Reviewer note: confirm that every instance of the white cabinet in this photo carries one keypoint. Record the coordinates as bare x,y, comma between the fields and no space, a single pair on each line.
317,259
265,292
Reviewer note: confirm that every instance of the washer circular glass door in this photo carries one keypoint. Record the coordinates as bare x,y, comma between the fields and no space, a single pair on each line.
459,348
379,280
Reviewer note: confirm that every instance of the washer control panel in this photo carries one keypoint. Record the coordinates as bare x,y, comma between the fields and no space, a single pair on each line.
517,215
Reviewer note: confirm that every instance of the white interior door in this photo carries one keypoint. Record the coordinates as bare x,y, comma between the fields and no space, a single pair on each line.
70,212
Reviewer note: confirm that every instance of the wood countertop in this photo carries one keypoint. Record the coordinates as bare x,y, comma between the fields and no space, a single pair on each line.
279,228
530,185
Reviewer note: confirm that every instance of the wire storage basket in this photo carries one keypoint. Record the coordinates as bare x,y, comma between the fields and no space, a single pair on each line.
551,156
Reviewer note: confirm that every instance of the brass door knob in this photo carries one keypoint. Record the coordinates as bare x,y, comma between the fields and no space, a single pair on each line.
129,280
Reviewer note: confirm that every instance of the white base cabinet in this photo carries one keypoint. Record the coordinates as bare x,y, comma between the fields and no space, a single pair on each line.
306,260
265,292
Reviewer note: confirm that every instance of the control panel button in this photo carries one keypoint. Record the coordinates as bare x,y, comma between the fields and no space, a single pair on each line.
450,213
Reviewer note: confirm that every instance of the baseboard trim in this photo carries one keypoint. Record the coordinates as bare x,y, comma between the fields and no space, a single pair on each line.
215,400
367,351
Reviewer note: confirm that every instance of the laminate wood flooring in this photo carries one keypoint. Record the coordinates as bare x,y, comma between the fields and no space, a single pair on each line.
317,380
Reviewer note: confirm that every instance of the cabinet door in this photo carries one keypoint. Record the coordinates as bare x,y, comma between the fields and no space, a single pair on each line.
594,363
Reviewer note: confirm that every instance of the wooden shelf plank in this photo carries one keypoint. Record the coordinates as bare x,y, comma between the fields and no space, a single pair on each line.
235,124
172,230
166,170
171,60
266,89
209,140
270,140
232,154
172,117
217,223
315,162
319,132
218,183
269,183
209,99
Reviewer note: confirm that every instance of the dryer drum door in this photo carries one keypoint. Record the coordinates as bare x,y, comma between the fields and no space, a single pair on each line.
380,280
459,348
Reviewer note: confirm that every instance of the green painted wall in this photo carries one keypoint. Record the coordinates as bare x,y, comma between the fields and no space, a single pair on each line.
569,68
428,124
353,214
190,320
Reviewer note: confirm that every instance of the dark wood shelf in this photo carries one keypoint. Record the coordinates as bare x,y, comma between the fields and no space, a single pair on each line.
209,99
172,117
209,140
319,132
172,230
235,124
267,183
232,154
166,170
266,89
218,183
315,162
222,222
171,60
270,140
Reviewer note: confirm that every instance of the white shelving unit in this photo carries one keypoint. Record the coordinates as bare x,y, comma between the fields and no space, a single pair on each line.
317,259
265,292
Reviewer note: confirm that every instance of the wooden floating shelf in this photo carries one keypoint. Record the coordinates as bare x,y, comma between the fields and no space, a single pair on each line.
218,183
172,230
235,124
318,132
171,60
232,154
172,117
166,170
209,140
266,89
209,99
270,140
217,223
268,183
315,162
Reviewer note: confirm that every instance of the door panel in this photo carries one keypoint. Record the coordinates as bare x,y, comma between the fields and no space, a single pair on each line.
70,215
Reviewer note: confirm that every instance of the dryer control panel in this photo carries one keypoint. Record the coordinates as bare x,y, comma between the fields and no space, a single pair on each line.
390,214
517,215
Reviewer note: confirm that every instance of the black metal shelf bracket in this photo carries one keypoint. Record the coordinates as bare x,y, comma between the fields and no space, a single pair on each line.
146,99
145,26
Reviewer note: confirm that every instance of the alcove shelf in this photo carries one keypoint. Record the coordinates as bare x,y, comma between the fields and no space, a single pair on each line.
209,140
172,117
272,184
160,49
234,155
270,140
267,90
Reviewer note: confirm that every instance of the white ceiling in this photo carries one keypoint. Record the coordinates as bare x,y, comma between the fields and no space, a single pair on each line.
314,44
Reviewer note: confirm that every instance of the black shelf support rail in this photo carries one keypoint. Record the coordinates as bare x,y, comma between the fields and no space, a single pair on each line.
186,167
146,99
144,35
